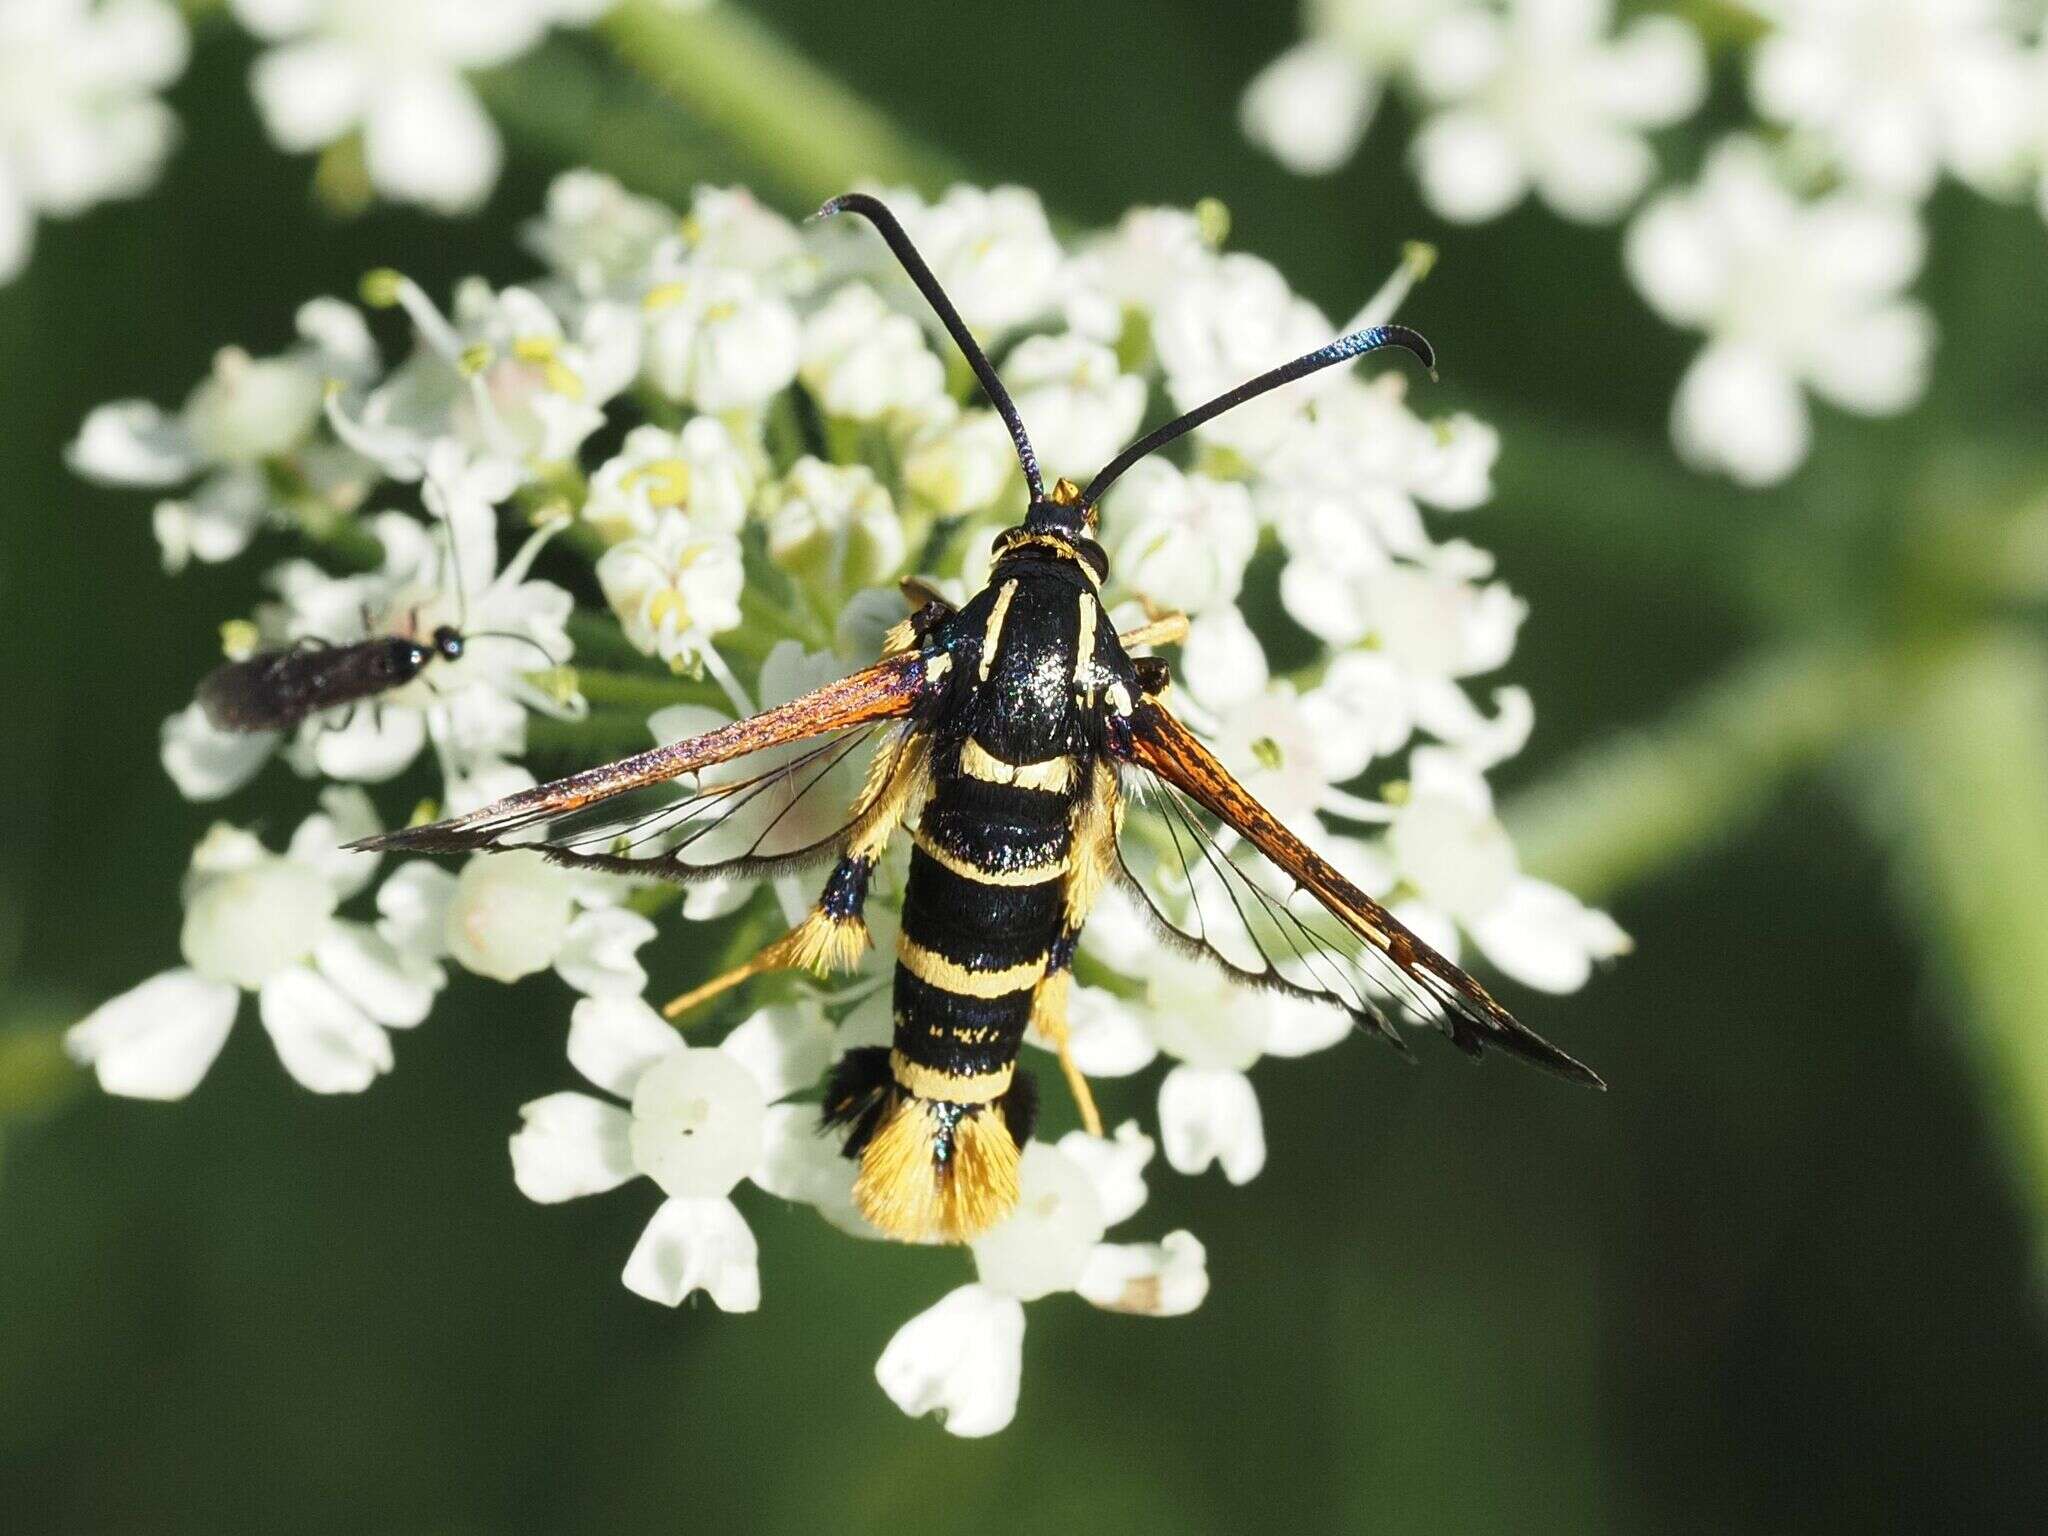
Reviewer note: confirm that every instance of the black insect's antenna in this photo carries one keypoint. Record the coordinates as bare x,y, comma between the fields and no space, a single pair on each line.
506,634
873,210
455,573
1342,350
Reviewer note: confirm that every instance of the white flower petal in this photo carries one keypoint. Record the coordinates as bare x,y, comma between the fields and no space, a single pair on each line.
394,988
1310,107
569,1145
346,815
1116,1166
323,1039
1740,412
598,952
131,442
1040,1246
697,1245
156,1040
699,1120
412,908
614,1038
1211,1115
509,916
310,93
786,1047
1545,938
801,1161
1468,167
961,1359
207,763
426,140
17,227
371,743
1168,1278
1107,1036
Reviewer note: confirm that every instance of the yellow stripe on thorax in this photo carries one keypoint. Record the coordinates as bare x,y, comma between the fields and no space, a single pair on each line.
1054,773
1036,874
953,1088
935,970
1084,645
992,636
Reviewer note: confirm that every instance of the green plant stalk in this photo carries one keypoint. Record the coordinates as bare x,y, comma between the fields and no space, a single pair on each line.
807,131
645,692
1629,807
1969,806
34,1071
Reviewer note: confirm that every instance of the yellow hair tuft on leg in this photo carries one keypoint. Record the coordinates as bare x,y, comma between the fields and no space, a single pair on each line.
823,944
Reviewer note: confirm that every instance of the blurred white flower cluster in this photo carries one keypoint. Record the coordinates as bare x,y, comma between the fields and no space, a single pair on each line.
1791,253
391,76
733,437
386,81
79,119
1515,96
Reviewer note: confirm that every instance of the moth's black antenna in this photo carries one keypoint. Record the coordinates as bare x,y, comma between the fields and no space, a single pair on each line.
877,214
1342,350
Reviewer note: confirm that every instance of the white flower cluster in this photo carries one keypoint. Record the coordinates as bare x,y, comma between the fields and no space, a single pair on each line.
393,73
79,119
1517,96
1792,256
80,122
784,438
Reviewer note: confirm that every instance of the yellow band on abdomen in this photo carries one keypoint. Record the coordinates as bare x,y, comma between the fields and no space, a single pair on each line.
935,970
930,1083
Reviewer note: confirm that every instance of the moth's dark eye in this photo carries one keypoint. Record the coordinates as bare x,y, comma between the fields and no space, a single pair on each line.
448,642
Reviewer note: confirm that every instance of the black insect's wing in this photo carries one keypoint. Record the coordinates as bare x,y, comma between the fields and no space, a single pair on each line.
1235,883
772,791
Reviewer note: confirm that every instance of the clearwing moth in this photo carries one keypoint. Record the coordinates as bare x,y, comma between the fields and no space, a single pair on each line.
1007,734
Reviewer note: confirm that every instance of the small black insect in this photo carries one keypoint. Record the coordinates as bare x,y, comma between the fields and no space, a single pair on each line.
276,689
1012,732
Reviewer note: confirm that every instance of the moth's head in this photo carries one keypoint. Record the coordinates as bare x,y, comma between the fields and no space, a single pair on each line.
1064,513
1062,526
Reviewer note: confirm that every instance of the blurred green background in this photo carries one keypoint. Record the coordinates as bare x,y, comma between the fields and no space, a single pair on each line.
1782,1278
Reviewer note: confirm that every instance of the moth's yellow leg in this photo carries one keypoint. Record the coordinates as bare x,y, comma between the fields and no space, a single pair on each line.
1049,1018
1163,629
777,956
833,935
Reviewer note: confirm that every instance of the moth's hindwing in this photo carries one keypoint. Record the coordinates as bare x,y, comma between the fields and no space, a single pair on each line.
1274,912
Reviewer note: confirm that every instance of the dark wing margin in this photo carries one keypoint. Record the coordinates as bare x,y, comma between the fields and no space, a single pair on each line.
1390,959
634,817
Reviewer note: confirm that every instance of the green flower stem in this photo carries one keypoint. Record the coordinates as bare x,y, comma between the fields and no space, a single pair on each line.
34,1071
1724,25
1629,807
600,642
568,107
1970,804
805,129
653,900
601,735
646,692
